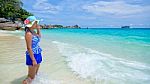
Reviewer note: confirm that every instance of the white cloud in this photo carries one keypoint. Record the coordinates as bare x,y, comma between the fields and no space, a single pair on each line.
43,6
115,8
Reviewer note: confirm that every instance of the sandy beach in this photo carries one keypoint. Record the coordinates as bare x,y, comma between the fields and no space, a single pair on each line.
13,69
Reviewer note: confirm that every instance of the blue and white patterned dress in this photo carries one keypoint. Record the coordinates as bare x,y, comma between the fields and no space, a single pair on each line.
35,45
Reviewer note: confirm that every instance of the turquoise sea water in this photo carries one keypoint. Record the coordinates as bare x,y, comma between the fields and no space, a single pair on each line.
119,56
110,56
131,44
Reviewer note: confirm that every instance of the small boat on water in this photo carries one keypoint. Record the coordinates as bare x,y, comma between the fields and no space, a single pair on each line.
125,27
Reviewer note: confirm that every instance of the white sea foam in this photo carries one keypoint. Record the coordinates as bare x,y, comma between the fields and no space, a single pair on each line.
95,65
9,33
137,37
5,31
22,37
42,78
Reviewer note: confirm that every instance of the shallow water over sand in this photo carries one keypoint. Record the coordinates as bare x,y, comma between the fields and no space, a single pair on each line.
53,69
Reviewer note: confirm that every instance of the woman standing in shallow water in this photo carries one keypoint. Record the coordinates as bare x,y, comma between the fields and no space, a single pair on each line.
33,53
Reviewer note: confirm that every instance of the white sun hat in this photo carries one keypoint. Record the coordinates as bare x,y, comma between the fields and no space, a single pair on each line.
30,21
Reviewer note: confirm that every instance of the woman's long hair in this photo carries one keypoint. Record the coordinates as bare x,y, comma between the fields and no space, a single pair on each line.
26,29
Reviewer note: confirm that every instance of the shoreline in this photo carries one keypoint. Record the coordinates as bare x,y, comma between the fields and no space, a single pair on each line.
72,63
53,68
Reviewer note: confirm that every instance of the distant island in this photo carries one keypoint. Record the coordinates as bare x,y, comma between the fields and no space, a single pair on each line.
125,27
58,26
6,24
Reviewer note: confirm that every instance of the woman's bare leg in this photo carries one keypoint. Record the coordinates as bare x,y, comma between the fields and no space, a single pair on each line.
31,74
31,71
37,68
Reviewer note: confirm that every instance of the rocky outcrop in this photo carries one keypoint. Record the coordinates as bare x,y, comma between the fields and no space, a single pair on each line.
8,25
2,20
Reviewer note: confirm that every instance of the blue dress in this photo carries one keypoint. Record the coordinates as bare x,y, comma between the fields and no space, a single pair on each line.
36,51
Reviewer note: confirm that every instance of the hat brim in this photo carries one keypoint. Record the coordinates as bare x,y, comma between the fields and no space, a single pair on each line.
30,25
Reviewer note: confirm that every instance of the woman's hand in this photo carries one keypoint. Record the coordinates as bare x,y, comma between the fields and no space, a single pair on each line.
38,30
34,63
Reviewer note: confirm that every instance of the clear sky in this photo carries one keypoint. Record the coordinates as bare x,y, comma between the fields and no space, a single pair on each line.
91,13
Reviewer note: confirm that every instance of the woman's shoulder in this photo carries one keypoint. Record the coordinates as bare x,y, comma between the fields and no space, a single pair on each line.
31,34
28,34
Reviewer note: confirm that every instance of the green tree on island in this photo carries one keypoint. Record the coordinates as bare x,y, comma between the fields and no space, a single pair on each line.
12,9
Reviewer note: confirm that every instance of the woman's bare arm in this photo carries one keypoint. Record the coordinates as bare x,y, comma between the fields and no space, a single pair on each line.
38,31
28,38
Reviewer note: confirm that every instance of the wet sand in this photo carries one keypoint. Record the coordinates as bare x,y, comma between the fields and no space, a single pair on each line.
53,69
